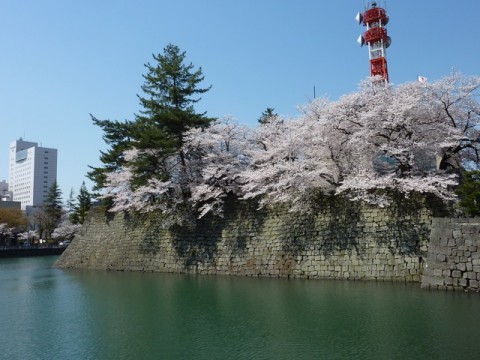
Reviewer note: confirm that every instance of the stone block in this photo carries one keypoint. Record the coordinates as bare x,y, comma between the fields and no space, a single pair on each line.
441,257
437,272
442,266
457,234
432,280
463,282
428,271
473,284
432,255
471,275
446,250
456,273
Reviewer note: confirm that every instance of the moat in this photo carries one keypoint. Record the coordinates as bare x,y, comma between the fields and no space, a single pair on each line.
50,313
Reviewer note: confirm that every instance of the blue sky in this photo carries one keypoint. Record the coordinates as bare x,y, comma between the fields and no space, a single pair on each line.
62,60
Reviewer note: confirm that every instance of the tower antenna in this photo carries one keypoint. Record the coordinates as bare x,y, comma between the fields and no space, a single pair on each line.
375,19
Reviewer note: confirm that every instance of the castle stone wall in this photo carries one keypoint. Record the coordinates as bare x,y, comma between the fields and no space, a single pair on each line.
453,260
340,240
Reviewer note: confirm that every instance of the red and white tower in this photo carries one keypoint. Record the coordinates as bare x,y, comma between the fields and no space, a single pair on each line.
375,19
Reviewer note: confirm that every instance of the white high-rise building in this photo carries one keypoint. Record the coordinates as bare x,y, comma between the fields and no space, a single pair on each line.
32,171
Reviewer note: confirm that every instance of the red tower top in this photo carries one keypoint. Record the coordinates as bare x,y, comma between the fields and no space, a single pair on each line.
375,19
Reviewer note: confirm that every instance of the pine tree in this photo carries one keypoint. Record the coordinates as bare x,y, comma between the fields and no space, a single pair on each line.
169,90
267,116
167,112
51,212
469,192
118,135
84,203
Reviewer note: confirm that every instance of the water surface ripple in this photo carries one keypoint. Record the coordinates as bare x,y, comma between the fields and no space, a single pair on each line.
50,313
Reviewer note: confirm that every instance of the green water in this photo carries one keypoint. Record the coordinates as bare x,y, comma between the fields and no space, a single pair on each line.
49,313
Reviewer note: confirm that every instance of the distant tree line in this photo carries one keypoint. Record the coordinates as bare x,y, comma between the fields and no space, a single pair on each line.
53,221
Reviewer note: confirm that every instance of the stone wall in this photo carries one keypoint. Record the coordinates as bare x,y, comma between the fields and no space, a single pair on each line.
340,240
453,261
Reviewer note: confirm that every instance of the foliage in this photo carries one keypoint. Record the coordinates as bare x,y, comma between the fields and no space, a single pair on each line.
290,159
220,158
454,103
117,135
469,192
66,230
78,208
14,219
5,232
49,215
28,235
214,159
389,138
157,133
378,144
267,116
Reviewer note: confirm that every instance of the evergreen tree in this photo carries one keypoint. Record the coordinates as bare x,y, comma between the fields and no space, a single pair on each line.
84,203
469,192
167,112
267,116
118,135
50,214
169,90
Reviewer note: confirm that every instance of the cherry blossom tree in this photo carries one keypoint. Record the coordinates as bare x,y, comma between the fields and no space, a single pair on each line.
66,230
28,236
392,136
219,155
164,194
214,159
377,142
5,231
155,195
454,101
290,160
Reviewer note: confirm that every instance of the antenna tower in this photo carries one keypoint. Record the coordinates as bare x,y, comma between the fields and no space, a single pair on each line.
375,19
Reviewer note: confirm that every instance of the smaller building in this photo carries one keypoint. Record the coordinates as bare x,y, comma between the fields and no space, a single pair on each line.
5,195
7,204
